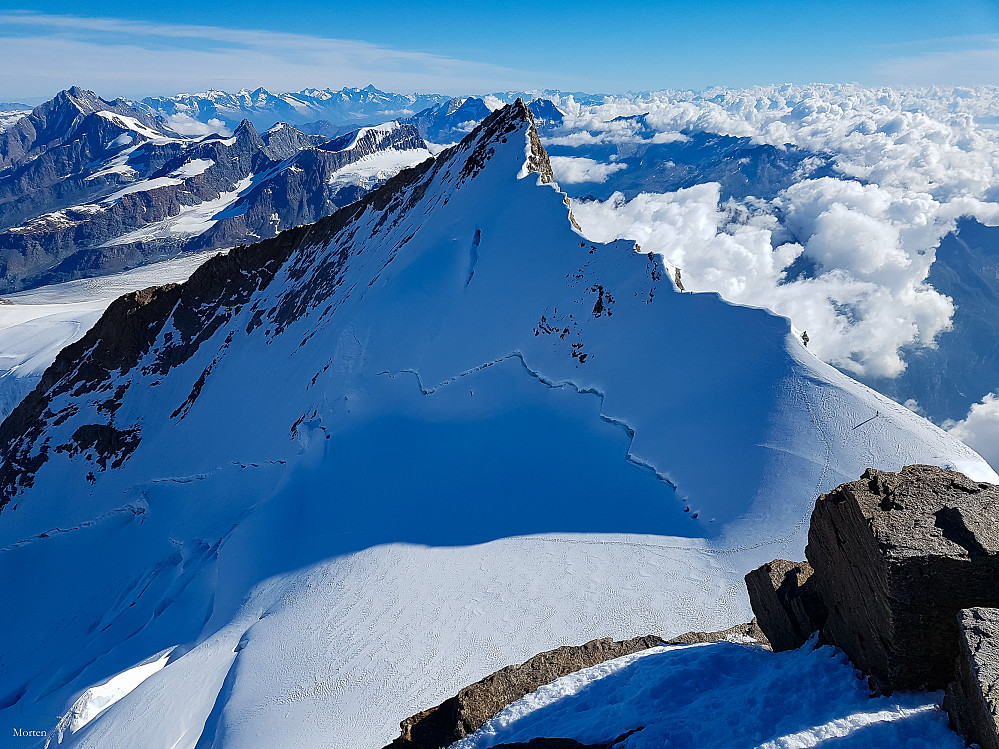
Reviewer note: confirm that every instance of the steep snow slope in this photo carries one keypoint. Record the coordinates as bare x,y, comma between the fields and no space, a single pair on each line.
345,471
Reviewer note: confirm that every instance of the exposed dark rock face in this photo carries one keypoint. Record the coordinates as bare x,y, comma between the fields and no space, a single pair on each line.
787,608
738,633
467,711
303,190
117,341
904,578
284,141
123,335
896,556
973,698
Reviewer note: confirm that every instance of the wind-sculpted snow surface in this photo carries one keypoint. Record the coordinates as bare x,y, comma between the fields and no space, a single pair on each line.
343,472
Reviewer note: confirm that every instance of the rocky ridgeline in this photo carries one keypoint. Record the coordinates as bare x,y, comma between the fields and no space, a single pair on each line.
466,712
903,576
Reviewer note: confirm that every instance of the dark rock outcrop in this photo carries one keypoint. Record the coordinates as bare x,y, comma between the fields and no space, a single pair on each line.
786,607
467,711
973,698
738,633
896,556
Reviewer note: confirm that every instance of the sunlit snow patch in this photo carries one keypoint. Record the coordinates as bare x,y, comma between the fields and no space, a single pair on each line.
372,170
98,698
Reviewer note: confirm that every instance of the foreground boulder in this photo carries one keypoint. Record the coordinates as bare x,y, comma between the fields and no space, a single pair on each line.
896,556
903,576
787,609
467,711
973,698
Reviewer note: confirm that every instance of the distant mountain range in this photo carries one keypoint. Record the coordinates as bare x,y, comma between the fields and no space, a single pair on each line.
89,186
356,106
346,107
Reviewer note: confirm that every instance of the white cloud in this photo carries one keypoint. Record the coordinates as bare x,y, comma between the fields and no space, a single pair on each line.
573,170
132,58
980,429
911,163
925,140
185,124
867,300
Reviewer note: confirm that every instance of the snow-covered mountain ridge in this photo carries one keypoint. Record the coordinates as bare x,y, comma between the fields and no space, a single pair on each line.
340,473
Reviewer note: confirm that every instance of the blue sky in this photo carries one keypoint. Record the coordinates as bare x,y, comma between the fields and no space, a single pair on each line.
133,49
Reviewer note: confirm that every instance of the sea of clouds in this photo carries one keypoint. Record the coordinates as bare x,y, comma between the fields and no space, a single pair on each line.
907,165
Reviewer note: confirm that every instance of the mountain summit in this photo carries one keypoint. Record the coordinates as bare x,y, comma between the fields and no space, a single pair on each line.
344,471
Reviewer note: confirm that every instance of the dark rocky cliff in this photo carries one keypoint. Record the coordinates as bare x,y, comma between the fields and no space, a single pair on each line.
903,576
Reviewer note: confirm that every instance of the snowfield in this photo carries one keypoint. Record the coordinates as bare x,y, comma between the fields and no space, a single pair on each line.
450,433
